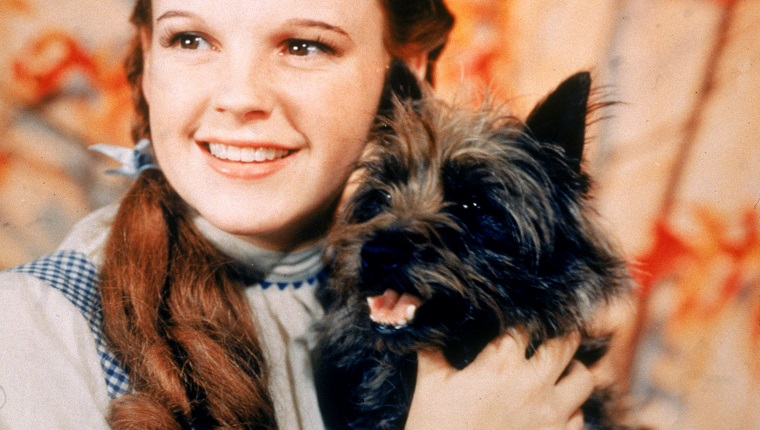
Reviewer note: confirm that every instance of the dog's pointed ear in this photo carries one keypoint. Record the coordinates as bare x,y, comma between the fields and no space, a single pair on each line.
561,117
400,84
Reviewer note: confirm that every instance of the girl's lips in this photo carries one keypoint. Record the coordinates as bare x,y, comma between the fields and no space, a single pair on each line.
245,162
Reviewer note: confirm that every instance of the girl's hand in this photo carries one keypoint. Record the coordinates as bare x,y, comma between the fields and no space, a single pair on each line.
502,389
616,318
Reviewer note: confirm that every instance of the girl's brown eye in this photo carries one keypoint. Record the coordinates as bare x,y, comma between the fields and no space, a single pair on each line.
299,48
303,48
191,41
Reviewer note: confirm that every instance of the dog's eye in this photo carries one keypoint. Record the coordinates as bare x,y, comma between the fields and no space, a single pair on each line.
380,197
471,204
371,204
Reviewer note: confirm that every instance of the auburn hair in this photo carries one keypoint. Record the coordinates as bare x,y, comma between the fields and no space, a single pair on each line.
174,313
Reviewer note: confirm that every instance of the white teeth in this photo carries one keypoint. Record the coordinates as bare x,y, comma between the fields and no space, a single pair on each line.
245,154
410,311
218,150
400,323
233,153
263,154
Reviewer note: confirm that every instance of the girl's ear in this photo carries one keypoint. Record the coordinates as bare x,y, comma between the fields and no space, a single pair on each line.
146,71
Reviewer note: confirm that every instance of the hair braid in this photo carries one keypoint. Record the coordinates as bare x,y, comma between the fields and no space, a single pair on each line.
177,321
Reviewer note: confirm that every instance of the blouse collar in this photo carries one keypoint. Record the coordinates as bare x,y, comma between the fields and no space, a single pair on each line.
272,266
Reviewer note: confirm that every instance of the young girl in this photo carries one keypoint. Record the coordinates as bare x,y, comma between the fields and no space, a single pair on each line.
189,304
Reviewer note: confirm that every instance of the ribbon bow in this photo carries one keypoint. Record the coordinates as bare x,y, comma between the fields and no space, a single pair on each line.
133,161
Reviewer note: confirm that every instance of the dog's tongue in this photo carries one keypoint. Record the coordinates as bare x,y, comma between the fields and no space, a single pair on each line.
392,308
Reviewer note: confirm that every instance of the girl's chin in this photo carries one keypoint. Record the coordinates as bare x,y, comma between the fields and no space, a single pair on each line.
274,237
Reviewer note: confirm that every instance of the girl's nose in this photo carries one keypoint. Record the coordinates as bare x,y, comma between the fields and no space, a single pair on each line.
245,88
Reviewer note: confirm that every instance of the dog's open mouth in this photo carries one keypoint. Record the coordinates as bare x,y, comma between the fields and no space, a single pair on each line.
393,309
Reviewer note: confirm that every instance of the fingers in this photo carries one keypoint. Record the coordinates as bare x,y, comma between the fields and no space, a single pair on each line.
569,382
545,391
555,355
576,421
507,346
574,388
432,361
615,319
614,314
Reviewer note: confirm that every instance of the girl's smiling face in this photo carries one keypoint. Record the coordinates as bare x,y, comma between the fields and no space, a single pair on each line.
259,108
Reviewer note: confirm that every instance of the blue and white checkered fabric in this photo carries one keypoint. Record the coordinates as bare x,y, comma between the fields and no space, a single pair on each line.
76,277
312,282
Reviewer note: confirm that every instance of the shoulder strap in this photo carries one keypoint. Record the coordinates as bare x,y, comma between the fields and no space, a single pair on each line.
72,274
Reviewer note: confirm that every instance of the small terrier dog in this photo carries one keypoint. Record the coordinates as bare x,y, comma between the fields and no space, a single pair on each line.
465,223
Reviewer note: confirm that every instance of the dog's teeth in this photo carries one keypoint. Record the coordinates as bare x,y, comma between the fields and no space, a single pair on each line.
371,301
373,318
410,311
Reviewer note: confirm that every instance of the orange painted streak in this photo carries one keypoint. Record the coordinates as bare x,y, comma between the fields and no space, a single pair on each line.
661,260
75,57
56,56
49,81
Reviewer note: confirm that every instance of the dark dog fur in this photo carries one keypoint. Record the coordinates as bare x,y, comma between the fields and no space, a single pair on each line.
483,217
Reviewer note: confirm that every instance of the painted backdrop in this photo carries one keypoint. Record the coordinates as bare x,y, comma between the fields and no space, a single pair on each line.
677,161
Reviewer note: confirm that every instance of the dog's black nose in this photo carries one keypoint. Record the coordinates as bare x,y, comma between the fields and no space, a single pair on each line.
387,251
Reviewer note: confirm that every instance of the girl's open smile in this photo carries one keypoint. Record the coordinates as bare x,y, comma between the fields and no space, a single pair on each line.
246,161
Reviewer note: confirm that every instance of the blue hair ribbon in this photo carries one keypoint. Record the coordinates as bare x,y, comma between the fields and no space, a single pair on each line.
133,161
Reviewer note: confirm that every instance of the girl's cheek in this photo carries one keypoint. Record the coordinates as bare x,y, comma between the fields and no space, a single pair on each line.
176,88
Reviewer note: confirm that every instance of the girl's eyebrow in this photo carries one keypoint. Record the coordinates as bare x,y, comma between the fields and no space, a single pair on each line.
175,14
317,24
